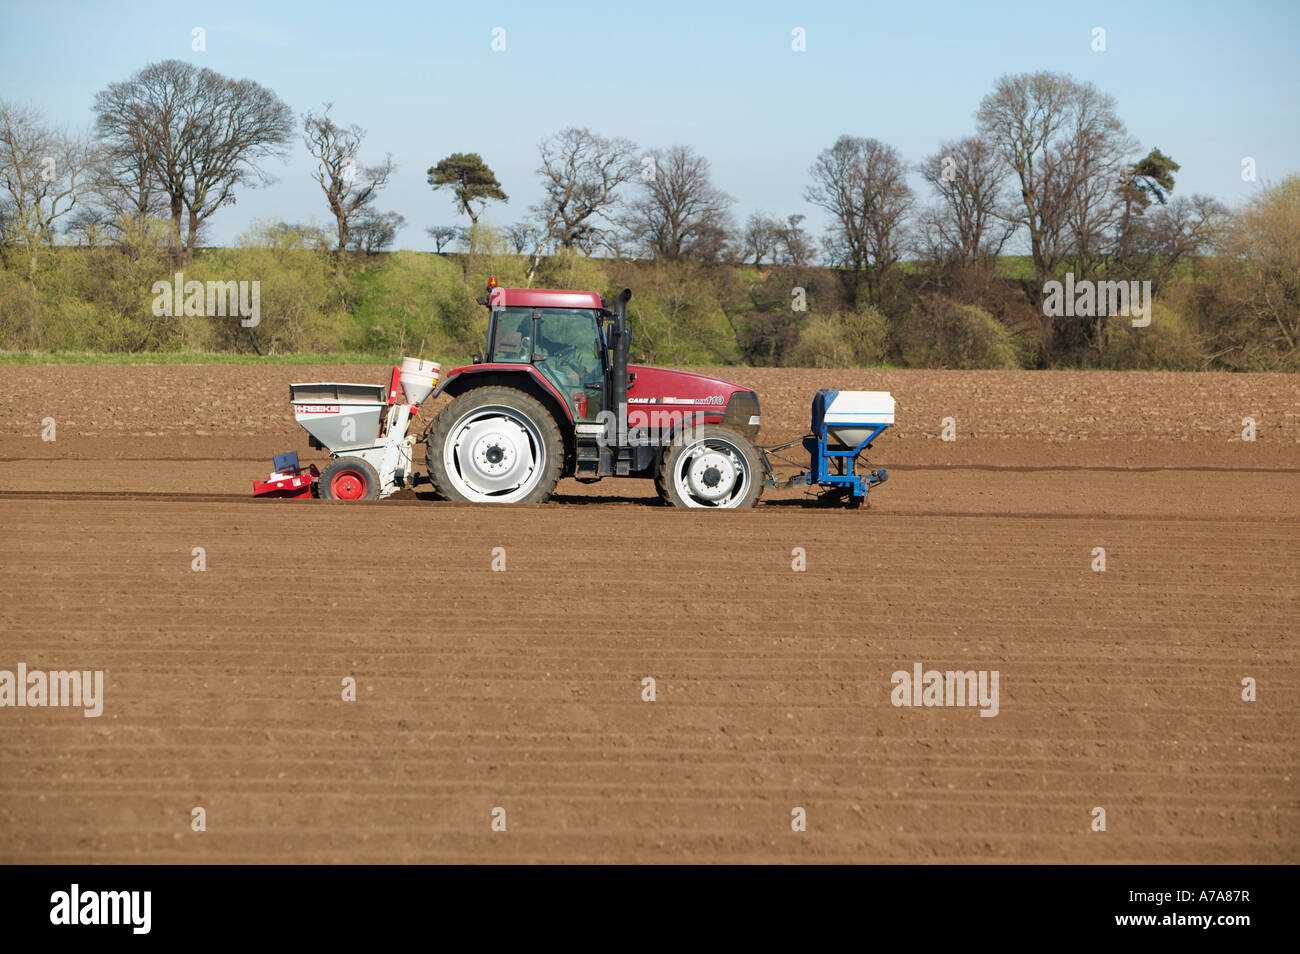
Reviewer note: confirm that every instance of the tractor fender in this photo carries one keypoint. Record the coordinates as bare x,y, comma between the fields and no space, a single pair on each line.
525,378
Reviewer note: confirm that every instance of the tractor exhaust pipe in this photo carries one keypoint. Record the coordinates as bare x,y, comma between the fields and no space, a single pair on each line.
621,344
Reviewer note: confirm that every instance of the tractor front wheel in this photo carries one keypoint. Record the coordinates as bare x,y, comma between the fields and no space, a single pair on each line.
713,467
348,478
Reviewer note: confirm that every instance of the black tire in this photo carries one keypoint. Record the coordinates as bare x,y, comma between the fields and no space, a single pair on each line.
721,439
348,478
544,440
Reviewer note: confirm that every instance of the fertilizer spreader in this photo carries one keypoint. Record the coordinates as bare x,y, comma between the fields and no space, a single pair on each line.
844,423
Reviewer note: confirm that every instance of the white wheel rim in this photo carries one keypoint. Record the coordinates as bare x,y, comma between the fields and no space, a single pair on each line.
494,454
711,473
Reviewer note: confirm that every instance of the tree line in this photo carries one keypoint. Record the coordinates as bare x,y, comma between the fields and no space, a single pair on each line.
1048,167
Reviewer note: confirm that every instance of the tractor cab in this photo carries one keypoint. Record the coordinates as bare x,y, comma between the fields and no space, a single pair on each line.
566,345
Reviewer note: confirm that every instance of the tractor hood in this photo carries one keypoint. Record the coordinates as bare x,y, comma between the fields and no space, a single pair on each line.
656,385
720,402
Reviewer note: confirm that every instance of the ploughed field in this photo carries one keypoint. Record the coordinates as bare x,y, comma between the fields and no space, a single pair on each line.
517,697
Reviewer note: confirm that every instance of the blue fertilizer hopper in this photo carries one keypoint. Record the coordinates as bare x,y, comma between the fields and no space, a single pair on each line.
844,423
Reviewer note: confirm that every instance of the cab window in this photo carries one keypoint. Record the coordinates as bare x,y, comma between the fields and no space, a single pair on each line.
511,341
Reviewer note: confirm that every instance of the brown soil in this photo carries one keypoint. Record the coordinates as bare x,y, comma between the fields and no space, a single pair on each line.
523,689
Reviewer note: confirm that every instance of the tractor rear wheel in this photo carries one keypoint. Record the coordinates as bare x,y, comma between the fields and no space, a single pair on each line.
348,478
713,467
494,445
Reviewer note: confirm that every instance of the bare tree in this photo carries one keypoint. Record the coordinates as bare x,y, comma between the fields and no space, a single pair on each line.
520,236
201,136
863,184
680,213
1060,139
1024,119
794,246
349,189
44,172
443,235
969,225
127,191
374,231
1094,156
89,226
761,238
582,174
1157,243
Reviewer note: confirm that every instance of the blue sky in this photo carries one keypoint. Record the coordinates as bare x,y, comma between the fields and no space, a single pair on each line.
1207,82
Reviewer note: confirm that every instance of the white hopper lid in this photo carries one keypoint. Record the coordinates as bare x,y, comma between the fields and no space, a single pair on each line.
860,407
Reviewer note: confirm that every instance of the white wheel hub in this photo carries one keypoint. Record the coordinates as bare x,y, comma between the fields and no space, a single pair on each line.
711,475
494,454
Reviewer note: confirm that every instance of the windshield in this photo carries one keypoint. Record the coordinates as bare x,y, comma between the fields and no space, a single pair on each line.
563,332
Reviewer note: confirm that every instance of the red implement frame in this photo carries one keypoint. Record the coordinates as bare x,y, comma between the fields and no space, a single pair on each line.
287,485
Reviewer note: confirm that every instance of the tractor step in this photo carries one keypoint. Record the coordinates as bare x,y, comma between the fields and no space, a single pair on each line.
588,458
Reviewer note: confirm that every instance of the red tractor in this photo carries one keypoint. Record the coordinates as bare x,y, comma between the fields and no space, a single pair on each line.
553,396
